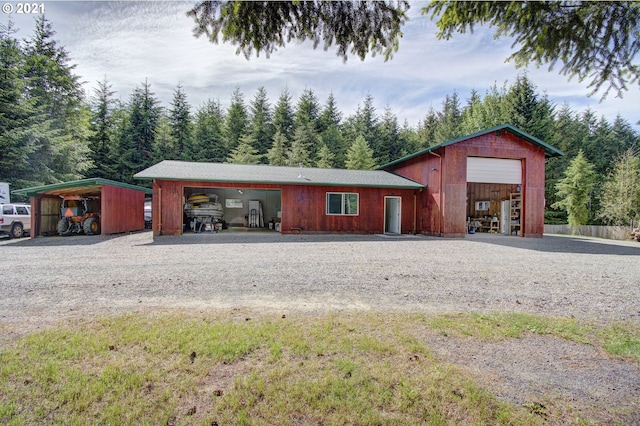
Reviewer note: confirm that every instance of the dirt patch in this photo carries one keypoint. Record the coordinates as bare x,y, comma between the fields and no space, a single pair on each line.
557,378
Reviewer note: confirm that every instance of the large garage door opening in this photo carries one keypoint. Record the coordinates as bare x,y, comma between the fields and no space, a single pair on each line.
231,209
494,196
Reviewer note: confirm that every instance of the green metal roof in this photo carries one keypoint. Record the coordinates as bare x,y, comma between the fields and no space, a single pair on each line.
548,149
76,186
244,173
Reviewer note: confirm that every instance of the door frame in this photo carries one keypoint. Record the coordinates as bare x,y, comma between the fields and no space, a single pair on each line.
387,211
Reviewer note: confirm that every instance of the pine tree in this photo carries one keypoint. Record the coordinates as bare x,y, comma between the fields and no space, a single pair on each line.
49,77
408,139
427,129
449,119
620,199
574,191
360,156
592,139
472,116
330,115
307,110
102,152
325,158
209,133
625,135
610,146
55,94
181,126
261,121
299,151
494,111
364,122
120,138
526,111
136,145
565,132
245,152
16,144
164,146
236,121
277,153
332,138
283,117
389,144
77,151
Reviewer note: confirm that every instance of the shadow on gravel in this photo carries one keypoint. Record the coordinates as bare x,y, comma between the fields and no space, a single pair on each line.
53,241
562,244
550,243
262,237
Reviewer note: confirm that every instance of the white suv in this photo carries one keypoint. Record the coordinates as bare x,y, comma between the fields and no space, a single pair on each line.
15,220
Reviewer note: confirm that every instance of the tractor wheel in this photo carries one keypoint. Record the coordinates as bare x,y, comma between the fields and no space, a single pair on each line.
17,231
91,226
63,227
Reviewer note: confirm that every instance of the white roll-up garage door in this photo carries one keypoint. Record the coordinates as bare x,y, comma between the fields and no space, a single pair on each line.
494,170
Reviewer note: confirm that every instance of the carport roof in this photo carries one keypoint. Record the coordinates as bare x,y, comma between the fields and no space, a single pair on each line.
243,173
77,187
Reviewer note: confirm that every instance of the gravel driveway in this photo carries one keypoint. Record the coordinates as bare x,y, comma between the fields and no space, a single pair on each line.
48,279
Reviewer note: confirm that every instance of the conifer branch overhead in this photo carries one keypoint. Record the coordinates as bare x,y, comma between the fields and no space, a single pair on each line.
355,28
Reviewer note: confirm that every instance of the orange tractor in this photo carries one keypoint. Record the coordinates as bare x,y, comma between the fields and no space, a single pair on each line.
78,217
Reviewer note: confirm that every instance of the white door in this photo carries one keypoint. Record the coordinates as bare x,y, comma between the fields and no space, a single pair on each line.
392,212
494,170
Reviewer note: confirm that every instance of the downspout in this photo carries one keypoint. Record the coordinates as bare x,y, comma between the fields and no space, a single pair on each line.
441,195
415,211
159,209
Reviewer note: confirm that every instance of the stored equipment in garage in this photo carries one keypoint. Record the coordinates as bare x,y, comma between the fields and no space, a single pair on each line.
89,206
78,217
204,211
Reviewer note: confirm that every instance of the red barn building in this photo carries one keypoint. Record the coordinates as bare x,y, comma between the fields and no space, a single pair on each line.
490,181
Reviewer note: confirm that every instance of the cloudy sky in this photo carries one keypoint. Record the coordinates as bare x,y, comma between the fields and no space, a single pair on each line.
129,42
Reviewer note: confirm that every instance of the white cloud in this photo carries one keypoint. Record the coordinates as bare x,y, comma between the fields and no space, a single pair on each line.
129,42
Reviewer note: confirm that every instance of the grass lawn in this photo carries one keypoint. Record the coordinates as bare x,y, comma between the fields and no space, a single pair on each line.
360,369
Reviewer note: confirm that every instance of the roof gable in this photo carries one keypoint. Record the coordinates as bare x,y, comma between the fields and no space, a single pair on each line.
549,150
245,173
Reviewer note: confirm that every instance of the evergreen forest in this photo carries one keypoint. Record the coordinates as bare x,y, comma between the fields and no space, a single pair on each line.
52,131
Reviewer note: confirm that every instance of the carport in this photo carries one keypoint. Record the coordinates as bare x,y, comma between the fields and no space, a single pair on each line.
120,205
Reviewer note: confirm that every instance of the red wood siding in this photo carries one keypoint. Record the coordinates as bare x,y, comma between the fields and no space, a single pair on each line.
453,172
121,210
426,170
303,207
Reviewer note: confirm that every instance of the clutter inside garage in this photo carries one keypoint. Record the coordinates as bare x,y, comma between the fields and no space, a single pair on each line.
494,208
219,209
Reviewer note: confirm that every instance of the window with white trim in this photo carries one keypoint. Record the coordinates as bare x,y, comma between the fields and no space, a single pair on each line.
342,203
